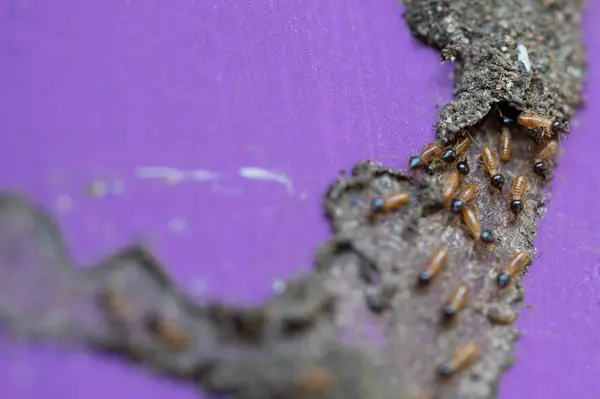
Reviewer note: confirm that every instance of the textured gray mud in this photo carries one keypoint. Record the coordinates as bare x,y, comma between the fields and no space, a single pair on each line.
321,338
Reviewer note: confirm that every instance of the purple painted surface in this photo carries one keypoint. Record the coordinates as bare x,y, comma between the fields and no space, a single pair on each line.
101,90
98,90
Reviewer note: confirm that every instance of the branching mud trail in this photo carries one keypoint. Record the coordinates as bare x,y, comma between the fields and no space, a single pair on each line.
359,326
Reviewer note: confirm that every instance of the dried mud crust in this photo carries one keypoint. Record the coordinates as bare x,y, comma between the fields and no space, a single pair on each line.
490,43
357,327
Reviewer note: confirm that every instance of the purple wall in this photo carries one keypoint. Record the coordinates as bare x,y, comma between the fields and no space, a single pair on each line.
113,94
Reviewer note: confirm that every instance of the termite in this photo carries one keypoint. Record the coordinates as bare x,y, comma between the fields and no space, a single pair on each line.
490,163
474,225
467,193
461,359
436,262
456,302
430,151
169,333
451,185
515,264
540,162
462,145
518,191
391,203
317,380
463,167
505,144
533,120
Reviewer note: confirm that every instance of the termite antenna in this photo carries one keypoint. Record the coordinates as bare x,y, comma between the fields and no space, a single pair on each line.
472,139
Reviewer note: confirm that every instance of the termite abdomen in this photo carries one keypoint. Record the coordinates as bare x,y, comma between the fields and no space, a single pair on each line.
451,185
505,144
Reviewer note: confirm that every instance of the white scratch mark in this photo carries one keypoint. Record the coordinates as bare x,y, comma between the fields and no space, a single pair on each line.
523,56
202,175
173,175
256,173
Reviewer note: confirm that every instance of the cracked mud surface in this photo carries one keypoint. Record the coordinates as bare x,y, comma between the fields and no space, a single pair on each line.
322,337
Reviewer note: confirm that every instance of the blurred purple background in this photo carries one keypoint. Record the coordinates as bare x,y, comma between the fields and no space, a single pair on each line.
211,128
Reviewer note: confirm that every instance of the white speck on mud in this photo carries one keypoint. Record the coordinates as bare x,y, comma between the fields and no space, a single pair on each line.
523,56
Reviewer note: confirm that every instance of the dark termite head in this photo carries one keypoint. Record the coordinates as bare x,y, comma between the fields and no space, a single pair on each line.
558,126
449,155
463,168
540,169
507,121
457,206
424,278
415,161
497,181
487,237
448,311
375,302
445,369
461,135
377,204
503,279
516,206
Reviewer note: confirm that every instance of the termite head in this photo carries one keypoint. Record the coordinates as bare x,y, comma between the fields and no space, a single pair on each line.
506,121
457,206
415,161
448,311
424,277
463,168
559,126
503,279
516,206
445,369
540,169
377,204
487,237
449,155
497,181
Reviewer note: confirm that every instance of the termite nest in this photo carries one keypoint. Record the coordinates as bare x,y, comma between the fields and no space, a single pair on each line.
451,160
